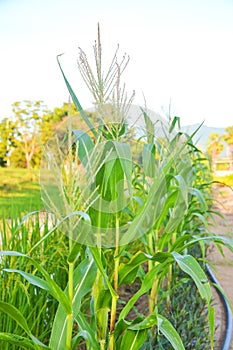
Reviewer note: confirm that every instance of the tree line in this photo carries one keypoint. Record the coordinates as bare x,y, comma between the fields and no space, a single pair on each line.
23,135
215,146
32,124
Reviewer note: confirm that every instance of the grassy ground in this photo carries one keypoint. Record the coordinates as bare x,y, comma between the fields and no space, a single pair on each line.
19,192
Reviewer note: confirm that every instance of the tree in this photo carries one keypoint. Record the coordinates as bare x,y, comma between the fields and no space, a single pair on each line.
28,116
214,147
7,140
228,138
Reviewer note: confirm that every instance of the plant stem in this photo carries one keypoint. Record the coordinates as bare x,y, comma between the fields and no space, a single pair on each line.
169,277
69,330
70,316
154,290
114,299
150,266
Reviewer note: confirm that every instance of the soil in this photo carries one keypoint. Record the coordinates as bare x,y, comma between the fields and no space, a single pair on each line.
222,266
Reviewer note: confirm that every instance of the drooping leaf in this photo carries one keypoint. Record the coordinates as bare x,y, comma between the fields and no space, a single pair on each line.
17,340
36,281
54,289
170,333
85,145
96,256
85,326
16,315
147,323
156,272
128,271
83,334
189,264
84,276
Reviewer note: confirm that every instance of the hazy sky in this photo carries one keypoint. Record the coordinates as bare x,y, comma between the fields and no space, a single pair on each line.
180,50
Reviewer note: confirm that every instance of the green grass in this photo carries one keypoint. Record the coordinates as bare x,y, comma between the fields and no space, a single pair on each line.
19,192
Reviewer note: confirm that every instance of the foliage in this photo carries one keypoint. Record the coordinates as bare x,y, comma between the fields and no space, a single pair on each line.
228,137
214,147
37,306
102,201
188,313
7,137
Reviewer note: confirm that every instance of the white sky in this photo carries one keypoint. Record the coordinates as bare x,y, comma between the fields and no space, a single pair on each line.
180,50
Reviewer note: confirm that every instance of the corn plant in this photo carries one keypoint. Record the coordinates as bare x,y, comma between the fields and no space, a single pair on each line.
104,198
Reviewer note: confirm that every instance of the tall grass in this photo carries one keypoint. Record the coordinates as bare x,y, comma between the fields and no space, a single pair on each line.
36,305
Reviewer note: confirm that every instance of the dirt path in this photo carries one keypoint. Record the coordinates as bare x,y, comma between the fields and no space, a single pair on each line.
222,266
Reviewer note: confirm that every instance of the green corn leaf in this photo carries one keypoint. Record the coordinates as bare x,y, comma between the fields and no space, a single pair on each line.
83,335
147,323
128,271
76,101
55,290
125,157
16,315
121,151
82,214
149,211
85,145
156,272
199,195
189,264
36,281
150,129
170,333
18,340
144,219
84,326
148,159
96,256
169,203
187,241
211,324
176,120
133,340
84,276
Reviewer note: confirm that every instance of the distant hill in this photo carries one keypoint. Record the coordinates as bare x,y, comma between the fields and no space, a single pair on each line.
203,134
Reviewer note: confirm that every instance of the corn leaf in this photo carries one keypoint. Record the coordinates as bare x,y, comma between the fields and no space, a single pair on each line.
189,264
36,281
84,326
18,340
76,101
84,276
85,145
170,333
156,272
211,324
54,289
16,315
133,340
96,256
